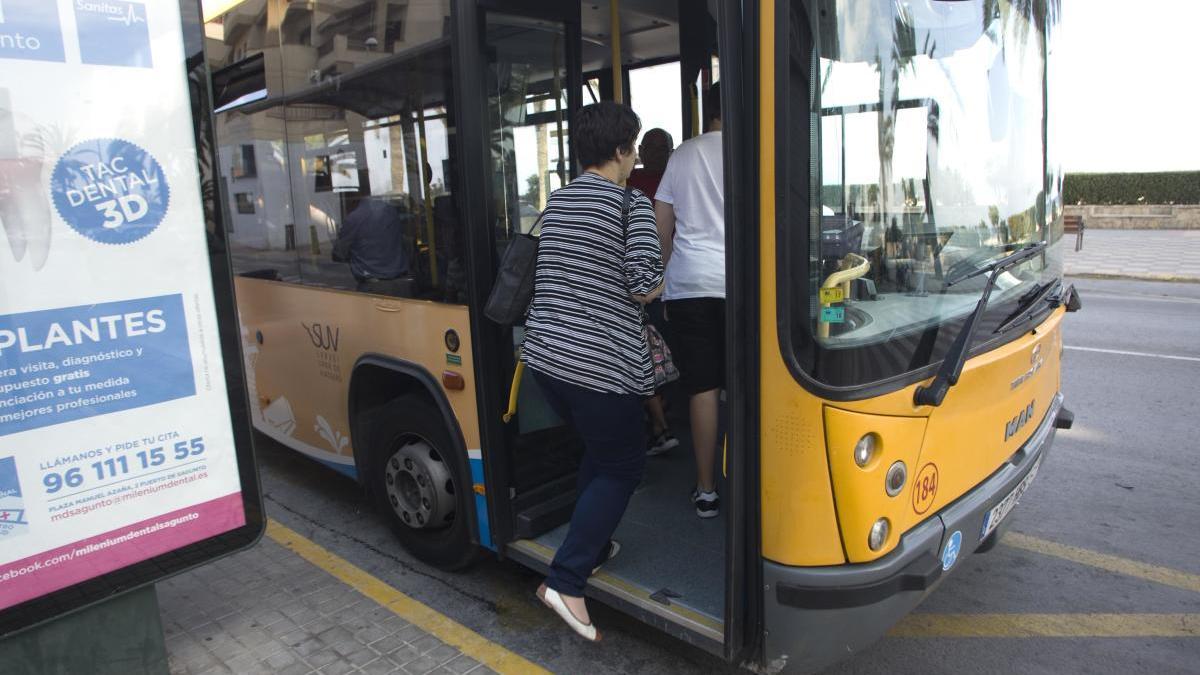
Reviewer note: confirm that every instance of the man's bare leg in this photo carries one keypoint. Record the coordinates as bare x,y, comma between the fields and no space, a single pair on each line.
703,409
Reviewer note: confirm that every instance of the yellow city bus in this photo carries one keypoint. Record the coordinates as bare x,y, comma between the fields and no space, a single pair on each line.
893,263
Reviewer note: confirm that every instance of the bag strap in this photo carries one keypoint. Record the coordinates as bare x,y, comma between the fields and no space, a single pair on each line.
625,202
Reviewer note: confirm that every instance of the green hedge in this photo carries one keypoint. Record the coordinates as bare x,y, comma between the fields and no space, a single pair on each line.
1173,187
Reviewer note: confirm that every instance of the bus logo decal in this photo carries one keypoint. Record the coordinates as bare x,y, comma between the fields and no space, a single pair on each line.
1016,423
323,336
1035,364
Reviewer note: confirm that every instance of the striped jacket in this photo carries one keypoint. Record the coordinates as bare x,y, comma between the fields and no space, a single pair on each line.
583,326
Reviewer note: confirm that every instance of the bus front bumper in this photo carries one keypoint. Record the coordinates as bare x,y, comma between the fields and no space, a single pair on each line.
815,616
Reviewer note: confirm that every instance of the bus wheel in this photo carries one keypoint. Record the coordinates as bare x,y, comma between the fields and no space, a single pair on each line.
421,484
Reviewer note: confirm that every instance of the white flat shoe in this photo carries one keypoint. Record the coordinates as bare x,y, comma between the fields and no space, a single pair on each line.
554,601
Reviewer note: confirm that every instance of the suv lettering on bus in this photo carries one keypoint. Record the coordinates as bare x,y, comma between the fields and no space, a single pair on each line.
323,337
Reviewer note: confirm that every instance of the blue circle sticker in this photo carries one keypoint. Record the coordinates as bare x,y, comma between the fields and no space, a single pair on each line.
110,190
950,553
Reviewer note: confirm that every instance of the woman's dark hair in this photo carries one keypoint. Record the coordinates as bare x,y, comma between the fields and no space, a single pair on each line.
600,129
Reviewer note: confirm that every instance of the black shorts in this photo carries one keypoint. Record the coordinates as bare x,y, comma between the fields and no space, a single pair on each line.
696,336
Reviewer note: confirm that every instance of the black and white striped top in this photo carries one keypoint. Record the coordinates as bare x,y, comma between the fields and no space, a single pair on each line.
583,327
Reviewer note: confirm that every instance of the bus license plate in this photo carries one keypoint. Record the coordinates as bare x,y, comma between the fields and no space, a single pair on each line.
1001,510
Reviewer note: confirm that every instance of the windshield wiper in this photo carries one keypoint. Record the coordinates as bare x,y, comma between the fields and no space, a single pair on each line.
1025,303
947,376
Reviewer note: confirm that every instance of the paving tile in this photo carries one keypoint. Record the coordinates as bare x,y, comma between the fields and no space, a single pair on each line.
309,646
266,610
405,654
410,633
336,634
370,634
361,656
298,668
339,667
322,658
390,644
380,666
427,643
443,653
461,665
421,665
281,660
347,646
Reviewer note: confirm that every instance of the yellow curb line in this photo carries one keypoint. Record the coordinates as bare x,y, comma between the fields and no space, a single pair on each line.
1048,625
1111,563
420,615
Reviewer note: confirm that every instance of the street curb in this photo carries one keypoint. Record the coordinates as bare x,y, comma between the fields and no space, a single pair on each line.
1134,277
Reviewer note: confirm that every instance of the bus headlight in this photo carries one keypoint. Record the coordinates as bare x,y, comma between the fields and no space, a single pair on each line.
864,450
879,534
897,475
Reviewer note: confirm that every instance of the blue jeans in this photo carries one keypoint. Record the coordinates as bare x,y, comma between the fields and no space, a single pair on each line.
614,457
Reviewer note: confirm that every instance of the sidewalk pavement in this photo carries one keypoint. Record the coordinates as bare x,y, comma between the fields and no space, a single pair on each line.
1162,255
288,606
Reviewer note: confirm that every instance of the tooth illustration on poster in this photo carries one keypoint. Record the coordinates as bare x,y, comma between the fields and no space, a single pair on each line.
24,207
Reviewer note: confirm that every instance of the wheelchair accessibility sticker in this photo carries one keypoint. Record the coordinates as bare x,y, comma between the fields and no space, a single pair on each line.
950,553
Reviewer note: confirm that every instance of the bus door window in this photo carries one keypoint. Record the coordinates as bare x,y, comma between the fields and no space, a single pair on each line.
528,119
243,52
529,146
655,95
369,145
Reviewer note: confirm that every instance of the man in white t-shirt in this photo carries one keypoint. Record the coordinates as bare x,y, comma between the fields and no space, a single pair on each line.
690,211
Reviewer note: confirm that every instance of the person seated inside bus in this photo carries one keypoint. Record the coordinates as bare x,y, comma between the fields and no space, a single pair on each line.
452,262
371,240
584,342
690,212
654,151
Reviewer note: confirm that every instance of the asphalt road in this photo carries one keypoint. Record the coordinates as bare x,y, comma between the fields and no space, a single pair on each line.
1123,482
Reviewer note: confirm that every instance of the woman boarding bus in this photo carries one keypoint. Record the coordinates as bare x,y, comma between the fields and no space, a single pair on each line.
893,279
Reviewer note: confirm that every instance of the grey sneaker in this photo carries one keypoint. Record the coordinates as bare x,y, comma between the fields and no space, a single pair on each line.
614,547
708,504
662,443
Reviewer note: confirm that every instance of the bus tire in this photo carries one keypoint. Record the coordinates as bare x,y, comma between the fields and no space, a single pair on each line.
420,484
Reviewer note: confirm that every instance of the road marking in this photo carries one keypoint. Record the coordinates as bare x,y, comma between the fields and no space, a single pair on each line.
1128,353
1110,563
420,615
1048,625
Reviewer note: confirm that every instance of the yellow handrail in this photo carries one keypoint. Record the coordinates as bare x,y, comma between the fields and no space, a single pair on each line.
614,29
514,390
853,266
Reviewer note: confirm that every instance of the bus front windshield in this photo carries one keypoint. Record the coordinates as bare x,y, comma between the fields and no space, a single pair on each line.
931,160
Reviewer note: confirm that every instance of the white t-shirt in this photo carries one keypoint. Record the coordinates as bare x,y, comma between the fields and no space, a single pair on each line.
694,186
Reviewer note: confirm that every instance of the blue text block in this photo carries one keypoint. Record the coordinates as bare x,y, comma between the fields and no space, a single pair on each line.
61,365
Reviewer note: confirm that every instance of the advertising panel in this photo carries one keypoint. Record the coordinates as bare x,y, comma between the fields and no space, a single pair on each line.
117,443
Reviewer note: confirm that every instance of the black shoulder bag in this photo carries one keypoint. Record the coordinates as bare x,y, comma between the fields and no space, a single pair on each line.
513,291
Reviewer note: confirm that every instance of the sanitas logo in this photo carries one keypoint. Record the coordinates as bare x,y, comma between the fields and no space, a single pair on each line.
121,12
